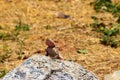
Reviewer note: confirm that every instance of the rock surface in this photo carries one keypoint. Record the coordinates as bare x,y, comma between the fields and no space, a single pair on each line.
114,76
39,67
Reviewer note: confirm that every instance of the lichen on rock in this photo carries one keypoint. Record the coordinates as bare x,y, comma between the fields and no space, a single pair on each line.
39,67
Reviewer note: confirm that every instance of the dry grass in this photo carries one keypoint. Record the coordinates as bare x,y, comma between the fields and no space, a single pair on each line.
69,34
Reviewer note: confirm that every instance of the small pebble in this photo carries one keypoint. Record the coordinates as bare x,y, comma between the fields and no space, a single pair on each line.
9,0
62,15
68,0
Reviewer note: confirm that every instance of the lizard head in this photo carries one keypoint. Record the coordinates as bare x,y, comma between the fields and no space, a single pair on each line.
50,42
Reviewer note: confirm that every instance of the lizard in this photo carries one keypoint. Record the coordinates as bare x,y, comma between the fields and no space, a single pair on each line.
52,50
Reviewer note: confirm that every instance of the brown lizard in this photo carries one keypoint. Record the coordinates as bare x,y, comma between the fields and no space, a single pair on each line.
52,51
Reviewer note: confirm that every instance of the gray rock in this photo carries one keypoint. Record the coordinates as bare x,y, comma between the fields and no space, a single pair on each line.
114,76
39,67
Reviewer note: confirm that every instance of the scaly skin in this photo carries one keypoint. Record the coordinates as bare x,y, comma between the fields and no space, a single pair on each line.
52,51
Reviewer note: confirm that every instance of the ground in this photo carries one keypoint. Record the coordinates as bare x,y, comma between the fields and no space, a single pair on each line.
69,34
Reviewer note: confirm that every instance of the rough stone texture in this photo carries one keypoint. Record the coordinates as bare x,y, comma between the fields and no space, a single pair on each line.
39,67
114,76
